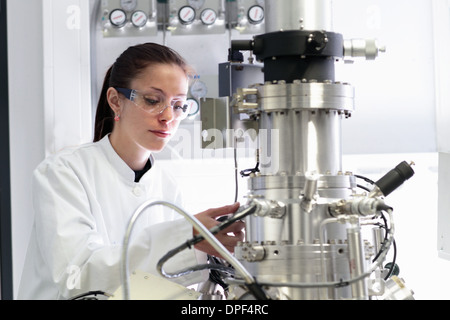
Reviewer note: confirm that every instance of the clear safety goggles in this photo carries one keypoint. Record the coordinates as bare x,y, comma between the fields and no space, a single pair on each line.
154,102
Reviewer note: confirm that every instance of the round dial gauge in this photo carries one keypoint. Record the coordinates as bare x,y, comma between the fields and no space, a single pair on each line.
118,17
139,19
256,14
208,16
186,15
128,5
194,107
196,4
198,89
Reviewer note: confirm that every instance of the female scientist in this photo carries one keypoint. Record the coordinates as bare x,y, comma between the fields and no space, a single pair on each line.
84,196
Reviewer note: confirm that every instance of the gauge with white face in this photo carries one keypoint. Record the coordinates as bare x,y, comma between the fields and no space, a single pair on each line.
208,16
118,17
186,15
139,19
196,4
256,14
194,107
128,5
199,89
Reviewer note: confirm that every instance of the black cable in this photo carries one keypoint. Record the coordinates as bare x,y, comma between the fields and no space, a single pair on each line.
257,291
238,215
90,293
385,238
215,275
248,172
364,178
394,245
362,187
394,258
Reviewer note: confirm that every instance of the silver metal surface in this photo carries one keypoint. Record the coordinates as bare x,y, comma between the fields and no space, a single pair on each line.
305,119
356,260
396,290
299,263
298,15
365,48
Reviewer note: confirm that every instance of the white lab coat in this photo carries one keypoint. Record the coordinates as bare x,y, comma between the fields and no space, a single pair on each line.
83,199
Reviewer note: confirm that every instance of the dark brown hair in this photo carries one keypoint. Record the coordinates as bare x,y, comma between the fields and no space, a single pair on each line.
127,67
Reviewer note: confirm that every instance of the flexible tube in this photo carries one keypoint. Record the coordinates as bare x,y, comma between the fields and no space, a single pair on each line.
207,235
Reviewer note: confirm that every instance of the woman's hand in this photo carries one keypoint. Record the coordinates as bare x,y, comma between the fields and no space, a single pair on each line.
229,236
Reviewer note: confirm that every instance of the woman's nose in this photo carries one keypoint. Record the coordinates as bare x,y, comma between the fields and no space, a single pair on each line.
167,113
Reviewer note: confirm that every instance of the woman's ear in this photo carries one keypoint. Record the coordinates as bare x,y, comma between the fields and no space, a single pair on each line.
114,100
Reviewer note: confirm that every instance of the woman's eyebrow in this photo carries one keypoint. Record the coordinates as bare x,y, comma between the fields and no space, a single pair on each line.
163,93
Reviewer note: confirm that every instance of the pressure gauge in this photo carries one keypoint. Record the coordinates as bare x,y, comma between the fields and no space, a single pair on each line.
118,17
196,4
128,5
139,19
256,14
186,15
208,16
198,89
194,107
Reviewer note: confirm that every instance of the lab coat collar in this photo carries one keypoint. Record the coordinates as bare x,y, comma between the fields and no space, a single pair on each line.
118,162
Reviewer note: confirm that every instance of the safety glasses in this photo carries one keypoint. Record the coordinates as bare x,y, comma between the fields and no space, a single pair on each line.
154,102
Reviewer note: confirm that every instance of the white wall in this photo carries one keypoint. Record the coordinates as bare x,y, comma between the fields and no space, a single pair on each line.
67,81
442,52
26,112
395,97
49,80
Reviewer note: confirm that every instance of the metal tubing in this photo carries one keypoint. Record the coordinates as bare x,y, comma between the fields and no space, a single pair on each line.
356,260
248,278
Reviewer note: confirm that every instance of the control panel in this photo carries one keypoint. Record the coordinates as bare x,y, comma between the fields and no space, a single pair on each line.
128,18
196,17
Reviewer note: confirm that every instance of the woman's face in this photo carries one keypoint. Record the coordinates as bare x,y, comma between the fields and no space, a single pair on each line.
139,129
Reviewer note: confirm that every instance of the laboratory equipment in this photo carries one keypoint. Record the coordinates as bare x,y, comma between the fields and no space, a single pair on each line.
196,17
305,239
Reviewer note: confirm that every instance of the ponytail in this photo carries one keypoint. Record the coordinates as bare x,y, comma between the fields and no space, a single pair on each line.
104,116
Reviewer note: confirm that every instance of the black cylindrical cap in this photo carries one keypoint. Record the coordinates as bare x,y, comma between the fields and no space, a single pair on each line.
395,178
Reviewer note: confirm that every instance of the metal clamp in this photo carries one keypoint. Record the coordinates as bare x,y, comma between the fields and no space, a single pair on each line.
270,208
240,103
